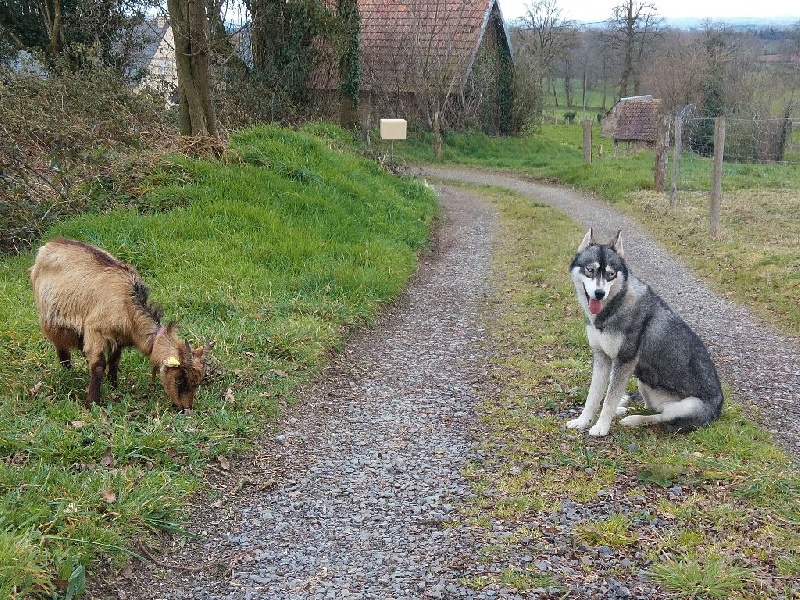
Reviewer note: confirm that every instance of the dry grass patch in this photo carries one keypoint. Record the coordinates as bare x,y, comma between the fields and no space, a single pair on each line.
756,258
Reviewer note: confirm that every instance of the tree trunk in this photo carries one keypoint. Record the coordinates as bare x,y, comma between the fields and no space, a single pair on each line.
349,62
188,19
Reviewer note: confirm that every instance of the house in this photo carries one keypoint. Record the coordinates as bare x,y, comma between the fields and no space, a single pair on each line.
633,120
153,58
420,58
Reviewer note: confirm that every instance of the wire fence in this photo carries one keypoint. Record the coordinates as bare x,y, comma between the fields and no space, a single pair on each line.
771,144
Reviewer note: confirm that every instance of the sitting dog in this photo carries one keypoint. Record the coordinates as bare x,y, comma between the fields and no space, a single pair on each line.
633,332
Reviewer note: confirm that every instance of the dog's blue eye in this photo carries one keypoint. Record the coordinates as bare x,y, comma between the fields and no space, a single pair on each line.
589,271
610,275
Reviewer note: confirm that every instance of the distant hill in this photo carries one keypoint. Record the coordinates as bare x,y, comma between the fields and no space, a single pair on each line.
737,22
743,23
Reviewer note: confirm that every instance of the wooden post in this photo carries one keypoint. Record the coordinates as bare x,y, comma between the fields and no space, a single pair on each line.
662,145
676,159
716,183
437,135
587,140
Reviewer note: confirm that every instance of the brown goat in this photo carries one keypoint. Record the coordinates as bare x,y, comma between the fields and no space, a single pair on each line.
89,299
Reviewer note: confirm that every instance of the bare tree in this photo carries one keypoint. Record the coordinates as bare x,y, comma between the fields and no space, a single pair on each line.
677,70
631,28
190,28
543,37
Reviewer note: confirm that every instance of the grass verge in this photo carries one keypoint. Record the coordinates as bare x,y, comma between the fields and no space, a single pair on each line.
710,514
271,254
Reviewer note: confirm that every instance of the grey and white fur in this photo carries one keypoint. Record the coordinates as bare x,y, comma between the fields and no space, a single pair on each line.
632,332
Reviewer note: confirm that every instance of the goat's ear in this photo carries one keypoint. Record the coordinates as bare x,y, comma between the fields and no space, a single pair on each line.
202,351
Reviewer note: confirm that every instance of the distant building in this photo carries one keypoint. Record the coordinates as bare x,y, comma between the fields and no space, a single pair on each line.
633,120
153,63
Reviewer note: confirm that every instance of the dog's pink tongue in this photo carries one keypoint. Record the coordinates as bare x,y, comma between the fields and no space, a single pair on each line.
595,306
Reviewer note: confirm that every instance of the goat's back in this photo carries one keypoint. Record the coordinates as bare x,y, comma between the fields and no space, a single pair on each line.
76,284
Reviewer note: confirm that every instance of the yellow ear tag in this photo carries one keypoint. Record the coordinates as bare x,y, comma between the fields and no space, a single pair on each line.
172,362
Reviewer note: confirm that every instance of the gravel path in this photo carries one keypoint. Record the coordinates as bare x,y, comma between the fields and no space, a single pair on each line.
348,498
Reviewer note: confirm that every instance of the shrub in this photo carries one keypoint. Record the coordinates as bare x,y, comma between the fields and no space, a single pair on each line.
66,140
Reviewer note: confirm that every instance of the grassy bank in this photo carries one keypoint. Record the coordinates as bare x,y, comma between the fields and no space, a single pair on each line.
711,514
755,260
271,254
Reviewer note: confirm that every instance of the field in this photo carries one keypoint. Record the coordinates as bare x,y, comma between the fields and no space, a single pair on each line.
293,239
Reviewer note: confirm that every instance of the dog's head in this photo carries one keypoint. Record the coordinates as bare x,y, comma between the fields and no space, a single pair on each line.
598,272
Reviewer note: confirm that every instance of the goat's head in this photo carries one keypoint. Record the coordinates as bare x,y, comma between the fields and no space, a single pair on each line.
182,369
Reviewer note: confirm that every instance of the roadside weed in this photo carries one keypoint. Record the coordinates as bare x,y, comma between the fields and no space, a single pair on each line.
613,531
711,577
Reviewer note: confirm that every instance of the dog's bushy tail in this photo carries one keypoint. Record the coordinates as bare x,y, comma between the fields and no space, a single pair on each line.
710,409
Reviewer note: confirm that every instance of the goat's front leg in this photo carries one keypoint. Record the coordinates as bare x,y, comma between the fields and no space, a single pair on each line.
95,356
601,367
620,375
113,365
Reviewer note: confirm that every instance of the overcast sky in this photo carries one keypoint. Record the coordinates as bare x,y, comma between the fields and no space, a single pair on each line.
600,10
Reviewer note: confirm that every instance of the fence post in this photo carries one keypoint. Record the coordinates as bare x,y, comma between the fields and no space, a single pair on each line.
676,159
587,141
716,183
662,143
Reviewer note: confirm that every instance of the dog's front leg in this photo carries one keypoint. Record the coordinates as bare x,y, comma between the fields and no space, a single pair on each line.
620,375
601,367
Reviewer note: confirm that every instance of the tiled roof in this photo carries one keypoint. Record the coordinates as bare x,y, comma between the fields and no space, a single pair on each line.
637,119
421,37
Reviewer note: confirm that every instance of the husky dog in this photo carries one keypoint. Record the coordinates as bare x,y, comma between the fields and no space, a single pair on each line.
633,332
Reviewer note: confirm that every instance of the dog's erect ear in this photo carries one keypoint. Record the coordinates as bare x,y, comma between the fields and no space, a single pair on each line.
588,240
616,244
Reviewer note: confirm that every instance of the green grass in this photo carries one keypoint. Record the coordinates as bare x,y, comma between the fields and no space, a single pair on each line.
733,530
272,254
709,577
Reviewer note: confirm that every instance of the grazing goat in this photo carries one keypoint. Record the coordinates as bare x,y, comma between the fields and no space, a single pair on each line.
89,299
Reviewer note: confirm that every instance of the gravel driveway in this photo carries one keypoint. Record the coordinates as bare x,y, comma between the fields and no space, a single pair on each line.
347,499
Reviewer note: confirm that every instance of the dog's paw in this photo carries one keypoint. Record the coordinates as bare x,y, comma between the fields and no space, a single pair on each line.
599,430
622,410
633,421
577,424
